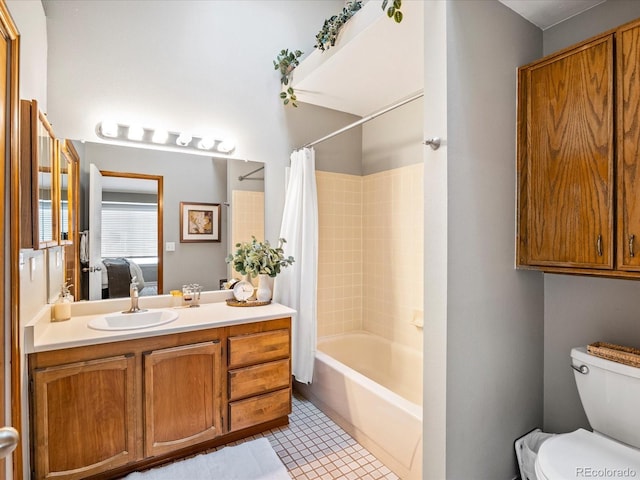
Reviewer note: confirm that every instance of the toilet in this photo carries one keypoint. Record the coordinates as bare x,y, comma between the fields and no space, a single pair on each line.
610,395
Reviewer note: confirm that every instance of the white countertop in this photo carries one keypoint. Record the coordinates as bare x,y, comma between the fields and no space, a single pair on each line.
42,335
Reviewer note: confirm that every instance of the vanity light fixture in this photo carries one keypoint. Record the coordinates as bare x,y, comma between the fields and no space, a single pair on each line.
160,136
109,129
226,146
216,143
206,143
135,132
183,139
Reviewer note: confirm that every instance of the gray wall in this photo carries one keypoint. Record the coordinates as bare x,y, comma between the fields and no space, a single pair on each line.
581,310
494,312
394,139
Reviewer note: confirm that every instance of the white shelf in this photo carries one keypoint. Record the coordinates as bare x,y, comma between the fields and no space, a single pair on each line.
374,63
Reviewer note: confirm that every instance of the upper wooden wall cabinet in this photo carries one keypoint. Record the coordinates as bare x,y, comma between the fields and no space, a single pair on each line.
579,158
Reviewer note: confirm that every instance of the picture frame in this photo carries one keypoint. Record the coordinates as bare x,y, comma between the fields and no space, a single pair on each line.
199,222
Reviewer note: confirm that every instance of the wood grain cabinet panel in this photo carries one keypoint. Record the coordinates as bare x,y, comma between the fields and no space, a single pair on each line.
262,408
258,347
257,379
84,417
182,396
628,124
570,158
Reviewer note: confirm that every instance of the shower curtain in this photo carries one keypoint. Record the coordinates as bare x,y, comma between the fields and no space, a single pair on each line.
296,285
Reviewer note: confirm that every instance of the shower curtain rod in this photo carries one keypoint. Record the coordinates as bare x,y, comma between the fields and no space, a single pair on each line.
365,119
247,176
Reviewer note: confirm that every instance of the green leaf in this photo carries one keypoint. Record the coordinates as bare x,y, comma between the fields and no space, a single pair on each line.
286,100
398,16
285,80
283,95
391,12
290,90
397,4
384,4
293,97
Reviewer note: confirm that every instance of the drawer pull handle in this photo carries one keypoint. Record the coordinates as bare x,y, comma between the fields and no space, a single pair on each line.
599,245
631,240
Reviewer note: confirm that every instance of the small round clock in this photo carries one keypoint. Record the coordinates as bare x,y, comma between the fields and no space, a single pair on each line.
243,290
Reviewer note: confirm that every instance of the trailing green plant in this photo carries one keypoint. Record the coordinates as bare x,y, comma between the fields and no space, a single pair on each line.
286,62
326,37
254,258
394,9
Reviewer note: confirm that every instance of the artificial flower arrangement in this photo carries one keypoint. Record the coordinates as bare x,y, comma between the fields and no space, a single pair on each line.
259,258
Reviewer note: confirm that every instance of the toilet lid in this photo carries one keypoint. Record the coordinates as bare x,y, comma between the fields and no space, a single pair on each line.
583,454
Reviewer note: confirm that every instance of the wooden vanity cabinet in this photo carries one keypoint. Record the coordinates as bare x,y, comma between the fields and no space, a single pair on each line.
182,395
259,373
578,204
102,411
85,417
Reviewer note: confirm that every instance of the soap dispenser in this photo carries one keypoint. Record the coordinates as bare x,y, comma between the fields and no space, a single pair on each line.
62,307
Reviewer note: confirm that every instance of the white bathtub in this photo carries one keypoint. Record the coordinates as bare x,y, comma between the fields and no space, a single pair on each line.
372,388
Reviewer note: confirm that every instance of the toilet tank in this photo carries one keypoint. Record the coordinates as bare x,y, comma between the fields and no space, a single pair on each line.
610,395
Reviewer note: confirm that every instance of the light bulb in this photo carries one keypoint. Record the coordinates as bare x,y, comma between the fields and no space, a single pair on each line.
183,140
109,129
206,143
225,146
136,132
160,136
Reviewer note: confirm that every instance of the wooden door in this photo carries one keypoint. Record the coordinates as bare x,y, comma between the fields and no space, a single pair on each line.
84,417
182,395
569,158
95,233
628,142
9,294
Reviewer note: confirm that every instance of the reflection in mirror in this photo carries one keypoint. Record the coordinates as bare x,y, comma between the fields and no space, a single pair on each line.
68,168
130,242
186,178
47,215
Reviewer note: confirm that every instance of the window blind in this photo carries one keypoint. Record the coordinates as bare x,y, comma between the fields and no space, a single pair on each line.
129,229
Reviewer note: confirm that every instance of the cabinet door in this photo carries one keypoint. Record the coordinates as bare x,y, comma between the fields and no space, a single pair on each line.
84,417
628,110
569,158
182,392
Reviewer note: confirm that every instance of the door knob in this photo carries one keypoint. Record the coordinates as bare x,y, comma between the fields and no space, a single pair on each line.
9,438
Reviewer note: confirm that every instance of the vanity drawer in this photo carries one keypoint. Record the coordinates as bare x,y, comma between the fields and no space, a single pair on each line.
263,408
257,379
258,347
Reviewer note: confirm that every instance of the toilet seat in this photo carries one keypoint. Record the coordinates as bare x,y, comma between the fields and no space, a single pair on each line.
583,454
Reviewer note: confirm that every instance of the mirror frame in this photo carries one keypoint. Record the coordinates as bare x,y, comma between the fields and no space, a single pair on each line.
33,127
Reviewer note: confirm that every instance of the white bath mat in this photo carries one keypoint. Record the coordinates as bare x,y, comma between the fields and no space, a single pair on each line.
254,460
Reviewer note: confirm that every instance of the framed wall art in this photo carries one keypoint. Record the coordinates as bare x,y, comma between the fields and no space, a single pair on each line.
199,222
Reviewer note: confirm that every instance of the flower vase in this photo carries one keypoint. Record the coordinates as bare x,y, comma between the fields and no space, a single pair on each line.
263,293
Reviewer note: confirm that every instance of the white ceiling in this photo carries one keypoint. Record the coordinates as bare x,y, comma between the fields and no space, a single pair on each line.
547,13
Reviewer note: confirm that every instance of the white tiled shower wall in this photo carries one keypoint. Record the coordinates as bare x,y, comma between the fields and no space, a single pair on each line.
371,253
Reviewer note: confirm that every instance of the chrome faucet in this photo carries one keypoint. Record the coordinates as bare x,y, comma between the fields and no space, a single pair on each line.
134,294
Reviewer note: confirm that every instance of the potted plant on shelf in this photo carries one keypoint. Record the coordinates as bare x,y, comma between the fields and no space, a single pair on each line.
257,259
286,62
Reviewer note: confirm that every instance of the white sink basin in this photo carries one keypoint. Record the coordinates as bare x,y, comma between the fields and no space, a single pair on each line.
132,321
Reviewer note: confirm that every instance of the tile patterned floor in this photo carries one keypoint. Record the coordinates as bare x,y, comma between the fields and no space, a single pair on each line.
313,447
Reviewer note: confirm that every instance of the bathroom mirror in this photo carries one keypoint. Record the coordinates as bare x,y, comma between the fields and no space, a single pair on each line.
186,178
